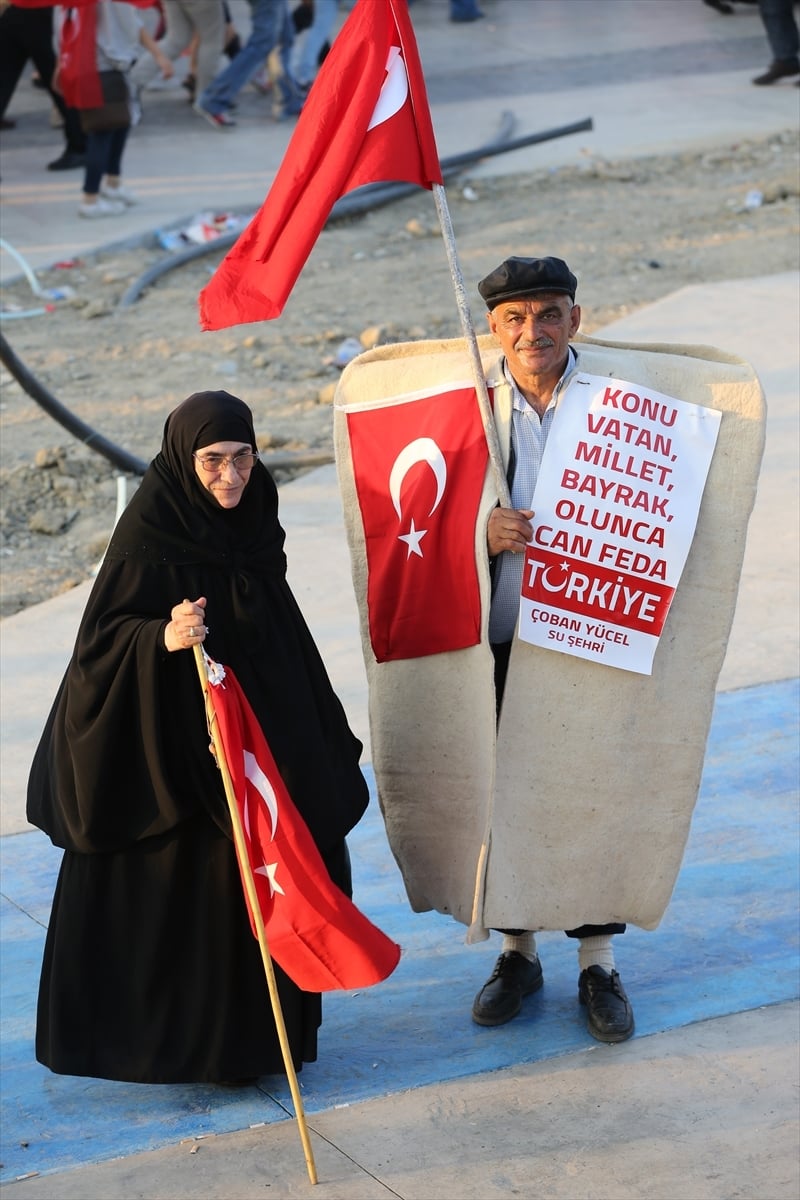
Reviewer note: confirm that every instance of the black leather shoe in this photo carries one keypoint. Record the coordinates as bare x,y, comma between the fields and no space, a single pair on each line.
500,998
610,1016
68,161
779,69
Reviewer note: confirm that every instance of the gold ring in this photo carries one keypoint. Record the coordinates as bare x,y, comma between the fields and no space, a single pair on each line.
191,632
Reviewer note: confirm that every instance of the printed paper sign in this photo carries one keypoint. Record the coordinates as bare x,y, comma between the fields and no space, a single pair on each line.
616,506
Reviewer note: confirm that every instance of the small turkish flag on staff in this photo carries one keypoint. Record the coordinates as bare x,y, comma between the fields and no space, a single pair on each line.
316,933
323,940
366,120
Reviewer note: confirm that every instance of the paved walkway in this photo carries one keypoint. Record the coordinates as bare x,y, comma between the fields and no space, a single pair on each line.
409,1098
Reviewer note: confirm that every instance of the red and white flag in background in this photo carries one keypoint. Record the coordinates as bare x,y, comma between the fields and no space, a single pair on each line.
78,78
419,467
366,120
315,932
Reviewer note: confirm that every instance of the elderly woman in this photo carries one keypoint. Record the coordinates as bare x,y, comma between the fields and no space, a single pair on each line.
151,972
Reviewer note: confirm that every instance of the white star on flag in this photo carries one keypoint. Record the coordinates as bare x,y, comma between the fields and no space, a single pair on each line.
412,539
268,871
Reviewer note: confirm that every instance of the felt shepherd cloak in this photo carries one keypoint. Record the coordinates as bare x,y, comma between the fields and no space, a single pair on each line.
575,807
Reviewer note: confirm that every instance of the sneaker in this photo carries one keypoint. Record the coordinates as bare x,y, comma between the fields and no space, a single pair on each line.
500,998
101,208
121,193
218,120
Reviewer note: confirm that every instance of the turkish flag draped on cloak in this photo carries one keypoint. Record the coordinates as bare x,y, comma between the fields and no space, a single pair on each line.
419,464
315,932
366,120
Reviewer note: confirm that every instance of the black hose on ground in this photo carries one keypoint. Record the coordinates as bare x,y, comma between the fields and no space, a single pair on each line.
372,195
274,460
84,433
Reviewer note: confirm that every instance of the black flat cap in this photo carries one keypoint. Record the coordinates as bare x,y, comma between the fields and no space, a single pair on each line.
518,277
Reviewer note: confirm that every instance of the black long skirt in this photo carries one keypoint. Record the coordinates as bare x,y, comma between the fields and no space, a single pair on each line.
151,973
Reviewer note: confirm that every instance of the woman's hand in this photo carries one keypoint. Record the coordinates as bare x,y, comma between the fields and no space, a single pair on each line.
509,529
187,626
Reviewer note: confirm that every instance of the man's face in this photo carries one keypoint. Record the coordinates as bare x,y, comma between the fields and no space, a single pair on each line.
534,332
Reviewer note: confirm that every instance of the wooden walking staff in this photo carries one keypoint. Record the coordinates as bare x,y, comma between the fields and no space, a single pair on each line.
250,888
489,427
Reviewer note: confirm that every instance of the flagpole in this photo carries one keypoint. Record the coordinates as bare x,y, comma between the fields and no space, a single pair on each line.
252,897
489,427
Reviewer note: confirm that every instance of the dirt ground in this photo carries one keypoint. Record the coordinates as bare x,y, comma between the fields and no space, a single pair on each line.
632,231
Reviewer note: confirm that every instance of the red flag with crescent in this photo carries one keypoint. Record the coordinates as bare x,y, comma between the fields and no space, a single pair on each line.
314,931
366,120
78,78
419,465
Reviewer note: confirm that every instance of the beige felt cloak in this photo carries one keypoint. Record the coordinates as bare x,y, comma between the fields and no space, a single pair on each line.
576,807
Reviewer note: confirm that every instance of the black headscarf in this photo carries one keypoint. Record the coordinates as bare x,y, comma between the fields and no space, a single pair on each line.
177,520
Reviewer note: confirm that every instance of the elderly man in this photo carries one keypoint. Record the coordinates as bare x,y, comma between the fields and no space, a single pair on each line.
524,790
533,315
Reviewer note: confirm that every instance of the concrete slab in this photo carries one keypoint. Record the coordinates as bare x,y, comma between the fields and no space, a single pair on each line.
667,1117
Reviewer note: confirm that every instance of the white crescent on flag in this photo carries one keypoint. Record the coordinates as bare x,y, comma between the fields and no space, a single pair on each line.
420,450
263,786
256,776
394,90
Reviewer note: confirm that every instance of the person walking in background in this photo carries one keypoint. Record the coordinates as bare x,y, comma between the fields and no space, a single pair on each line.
116,31
271,27
780,25
185,21
308,52
232,44
26,35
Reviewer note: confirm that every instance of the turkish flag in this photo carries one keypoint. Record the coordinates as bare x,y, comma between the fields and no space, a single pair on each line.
315,932
419,465
366,120
78,78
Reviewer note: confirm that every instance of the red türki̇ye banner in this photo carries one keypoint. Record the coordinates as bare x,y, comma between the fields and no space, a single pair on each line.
616,507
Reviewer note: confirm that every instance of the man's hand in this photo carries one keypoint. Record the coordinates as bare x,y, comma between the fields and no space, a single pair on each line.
509,529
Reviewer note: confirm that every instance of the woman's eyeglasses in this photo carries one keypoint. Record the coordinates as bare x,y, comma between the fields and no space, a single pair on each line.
244,461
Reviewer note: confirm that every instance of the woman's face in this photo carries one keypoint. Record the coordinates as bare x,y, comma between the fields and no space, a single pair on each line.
224,470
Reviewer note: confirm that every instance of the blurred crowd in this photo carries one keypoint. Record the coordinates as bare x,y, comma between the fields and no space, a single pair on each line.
98,58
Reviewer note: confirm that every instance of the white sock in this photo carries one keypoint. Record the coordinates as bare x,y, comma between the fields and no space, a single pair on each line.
523,943
596,952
